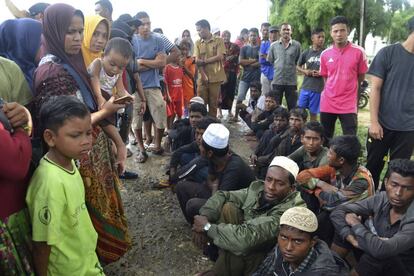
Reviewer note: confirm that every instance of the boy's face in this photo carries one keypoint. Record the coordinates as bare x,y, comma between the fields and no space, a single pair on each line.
253,38
199,135
184,51
318,39
312,141
334,160
294,244
72,140
195,117
270,103
400,190
114,63
280,123
254,93
296,123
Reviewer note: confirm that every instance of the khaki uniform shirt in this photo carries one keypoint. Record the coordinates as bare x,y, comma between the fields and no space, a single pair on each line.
207,49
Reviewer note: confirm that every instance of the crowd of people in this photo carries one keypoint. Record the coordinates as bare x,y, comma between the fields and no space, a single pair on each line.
77,89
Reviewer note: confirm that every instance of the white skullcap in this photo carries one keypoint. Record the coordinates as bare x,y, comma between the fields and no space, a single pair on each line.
286,163
216,136
301,218
197,99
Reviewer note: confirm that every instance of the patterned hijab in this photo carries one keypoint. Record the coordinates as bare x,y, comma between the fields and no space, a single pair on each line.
56,21
91,22
20,42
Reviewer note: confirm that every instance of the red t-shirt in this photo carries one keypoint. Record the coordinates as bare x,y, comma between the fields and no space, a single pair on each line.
341,67
173,78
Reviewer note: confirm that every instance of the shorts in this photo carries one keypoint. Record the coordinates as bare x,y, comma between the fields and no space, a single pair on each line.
175,108
156,106
310,100
136,117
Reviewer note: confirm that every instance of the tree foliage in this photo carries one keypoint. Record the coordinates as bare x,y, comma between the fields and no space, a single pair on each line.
305,15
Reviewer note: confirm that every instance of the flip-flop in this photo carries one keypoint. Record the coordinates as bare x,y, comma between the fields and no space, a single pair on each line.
155,151
141,157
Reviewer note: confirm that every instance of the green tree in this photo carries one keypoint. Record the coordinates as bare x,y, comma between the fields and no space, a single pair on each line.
305,15
398,27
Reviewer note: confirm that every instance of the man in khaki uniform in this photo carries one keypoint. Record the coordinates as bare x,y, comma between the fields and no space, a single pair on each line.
209,53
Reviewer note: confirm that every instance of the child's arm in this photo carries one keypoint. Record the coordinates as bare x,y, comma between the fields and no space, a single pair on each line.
166,81
41,252
121,154
94,69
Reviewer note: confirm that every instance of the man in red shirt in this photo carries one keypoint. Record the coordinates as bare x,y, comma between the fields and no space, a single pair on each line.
343,66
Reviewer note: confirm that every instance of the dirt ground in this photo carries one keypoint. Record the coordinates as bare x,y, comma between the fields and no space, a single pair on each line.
161,236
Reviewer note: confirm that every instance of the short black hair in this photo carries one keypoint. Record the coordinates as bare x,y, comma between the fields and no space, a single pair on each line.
403,167
317,31
410,25
216,152
57,109
340,19
141,15
158,30
106,4
203,23
244,31
119,45
254,30
281,112
285,24
265,24
205,122
271,94
299,112
198,107
316,127
257,85
347,147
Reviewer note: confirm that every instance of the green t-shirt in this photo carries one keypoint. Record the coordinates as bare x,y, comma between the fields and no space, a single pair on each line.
14,87
56,201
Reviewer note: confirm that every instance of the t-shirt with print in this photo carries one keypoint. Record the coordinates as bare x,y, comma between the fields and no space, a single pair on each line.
148,48
173,77
312,60
250,73
341,67
56,202
395,66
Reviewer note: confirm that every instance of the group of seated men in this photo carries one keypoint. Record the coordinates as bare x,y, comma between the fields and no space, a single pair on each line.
305,209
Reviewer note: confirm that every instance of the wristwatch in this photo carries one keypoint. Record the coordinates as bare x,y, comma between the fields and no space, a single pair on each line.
207,226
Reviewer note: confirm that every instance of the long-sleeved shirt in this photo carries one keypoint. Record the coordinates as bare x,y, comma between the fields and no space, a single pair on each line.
400,234
189,148
15,157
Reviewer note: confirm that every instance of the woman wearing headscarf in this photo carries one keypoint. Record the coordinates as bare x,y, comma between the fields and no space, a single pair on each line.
63,72
20,42
95,36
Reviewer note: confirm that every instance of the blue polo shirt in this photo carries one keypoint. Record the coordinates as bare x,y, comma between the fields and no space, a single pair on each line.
265,66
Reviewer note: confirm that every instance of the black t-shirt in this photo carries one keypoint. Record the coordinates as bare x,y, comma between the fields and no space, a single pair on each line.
312,59
235,176
250,73
395,66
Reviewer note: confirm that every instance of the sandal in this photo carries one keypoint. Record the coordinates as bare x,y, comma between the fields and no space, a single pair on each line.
159,151
142,157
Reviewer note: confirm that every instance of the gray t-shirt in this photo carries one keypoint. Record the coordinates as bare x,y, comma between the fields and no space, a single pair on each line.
284,62
395,66
312,59
148,48
250,73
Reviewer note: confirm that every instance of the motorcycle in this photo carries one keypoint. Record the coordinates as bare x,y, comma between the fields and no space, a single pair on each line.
363,95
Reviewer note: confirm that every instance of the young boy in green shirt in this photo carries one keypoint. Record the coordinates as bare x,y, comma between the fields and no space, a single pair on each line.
63,235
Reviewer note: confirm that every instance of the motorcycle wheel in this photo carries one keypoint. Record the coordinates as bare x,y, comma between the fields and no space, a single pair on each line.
362,101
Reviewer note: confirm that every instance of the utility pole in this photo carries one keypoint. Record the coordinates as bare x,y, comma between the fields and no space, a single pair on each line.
361,24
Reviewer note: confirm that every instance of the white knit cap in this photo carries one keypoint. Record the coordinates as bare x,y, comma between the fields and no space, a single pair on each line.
286,163
216,136
197,99
301,218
